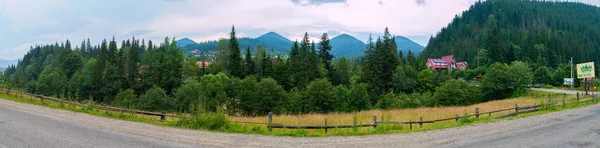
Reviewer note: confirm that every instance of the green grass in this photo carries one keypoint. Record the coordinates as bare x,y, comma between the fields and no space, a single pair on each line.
217,121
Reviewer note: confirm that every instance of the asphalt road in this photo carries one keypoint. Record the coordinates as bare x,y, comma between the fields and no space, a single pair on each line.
24,129
581,130
24,125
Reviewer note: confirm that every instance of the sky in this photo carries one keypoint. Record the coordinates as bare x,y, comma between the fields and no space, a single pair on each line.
26,23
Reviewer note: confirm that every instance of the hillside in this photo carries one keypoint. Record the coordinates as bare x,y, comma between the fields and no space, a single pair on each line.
271,41
404,45
185,42
6,63
347,46
343,45
541,33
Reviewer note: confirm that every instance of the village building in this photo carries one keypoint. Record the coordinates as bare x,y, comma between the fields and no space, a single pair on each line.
446,63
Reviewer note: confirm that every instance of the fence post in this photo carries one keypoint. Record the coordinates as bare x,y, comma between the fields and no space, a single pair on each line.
374,121
516,107
577,96
563,103
162,116
270,121
477,113
421,122
456,117
325,125
410,124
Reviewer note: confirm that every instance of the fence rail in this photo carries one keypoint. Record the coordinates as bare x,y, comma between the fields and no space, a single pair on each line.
270,125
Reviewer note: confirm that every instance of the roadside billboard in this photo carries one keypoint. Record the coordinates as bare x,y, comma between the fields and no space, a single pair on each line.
568,81
585,70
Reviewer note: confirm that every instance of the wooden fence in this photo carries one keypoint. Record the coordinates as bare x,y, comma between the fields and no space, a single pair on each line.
270,125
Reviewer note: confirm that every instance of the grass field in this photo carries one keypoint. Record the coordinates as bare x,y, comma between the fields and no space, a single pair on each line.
363,117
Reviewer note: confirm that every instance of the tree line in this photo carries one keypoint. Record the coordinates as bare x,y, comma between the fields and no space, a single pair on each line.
253,82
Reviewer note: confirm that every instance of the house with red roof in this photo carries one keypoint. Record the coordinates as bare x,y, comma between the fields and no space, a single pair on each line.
446,63
203,64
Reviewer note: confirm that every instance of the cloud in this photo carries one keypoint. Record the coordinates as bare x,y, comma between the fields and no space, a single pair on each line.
137,33
420,2
316,2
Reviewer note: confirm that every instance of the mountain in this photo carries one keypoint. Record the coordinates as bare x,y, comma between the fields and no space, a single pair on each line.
350,47
184,42
271,41
347,46
6,63
404,45
542,33
342,45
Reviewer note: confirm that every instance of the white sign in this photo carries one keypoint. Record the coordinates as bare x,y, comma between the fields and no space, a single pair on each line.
568,81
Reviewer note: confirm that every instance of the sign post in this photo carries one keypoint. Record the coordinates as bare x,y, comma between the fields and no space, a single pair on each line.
585,71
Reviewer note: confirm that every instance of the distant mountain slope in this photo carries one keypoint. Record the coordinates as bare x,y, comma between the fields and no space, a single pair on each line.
271,41
342,45
185,42
542,33
347,46
404,45
6,63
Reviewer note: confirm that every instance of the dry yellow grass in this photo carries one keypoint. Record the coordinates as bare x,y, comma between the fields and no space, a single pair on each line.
392,115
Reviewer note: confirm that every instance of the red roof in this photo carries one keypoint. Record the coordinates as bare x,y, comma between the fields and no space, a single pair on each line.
446,62
206,64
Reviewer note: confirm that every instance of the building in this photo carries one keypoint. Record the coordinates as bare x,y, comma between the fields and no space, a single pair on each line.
196,52
203,65
446,63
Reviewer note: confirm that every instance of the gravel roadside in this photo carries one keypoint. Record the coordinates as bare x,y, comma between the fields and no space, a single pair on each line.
214,139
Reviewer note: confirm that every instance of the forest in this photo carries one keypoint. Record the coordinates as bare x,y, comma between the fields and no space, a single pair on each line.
141,75
545,34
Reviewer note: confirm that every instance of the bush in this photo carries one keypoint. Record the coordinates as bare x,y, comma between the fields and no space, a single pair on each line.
125,99
155,99
503,81
456,92
320,96
188,96
203,119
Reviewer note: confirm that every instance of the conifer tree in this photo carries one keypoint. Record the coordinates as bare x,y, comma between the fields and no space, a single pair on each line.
325,55
250,68
235,58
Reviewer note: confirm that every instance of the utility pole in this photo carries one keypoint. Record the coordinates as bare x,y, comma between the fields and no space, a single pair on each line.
572,83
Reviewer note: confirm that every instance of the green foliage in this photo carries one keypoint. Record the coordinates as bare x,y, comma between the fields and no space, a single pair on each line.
126,99
425,80
235,57
155,99
51,82
456,92
203,119
542,33
405,79
188,96
320,96
503,81
542,75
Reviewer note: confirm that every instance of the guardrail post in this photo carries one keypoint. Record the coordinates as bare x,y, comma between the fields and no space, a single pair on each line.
477,113
162,116
325,125
516,107
374,121
270,121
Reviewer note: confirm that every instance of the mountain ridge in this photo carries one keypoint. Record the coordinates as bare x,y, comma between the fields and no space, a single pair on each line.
343,45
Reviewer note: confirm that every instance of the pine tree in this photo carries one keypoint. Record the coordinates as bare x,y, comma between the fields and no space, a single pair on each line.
112,51
97,81
325,55
235,58
250,68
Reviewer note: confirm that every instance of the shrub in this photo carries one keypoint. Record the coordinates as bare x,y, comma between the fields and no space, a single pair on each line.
155,99
125,99
456,92
203,119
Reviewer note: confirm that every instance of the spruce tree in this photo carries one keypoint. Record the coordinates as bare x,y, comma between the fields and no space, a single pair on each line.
325,55
250,67
235,58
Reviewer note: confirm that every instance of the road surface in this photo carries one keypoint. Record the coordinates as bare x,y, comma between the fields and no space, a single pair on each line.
24,125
